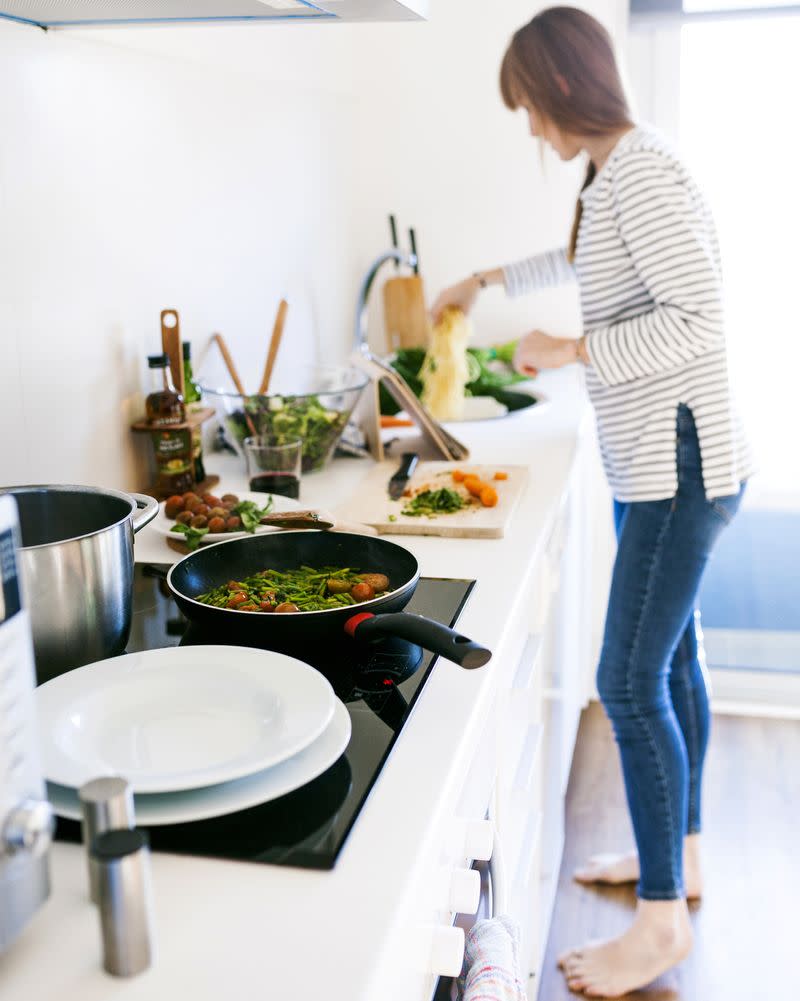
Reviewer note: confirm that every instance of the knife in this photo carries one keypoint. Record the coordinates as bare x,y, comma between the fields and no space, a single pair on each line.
398,483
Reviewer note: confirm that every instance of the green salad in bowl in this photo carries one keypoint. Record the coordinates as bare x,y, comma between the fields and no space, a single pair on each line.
316,410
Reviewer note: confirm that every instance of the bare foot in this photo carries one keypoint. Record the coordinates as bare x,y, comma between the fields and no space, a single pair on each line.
659,938
616,869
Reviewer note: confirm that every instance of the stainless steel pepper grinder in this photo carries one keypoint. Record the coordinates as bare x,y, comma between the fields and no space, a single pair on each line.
106,805
122,863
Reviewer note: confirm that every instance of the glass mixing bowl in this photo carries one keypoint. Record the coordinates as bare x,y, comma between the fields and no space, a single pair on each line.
316,410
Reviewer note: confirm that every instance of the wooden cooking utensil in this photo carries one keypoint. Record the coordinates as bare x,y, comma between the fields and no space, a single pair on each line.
318,520
237,382
274,344
228,359
323,520
171,346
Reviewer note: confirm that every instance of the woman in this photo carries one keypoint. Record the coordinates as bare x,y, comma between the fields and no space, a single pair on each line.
644,253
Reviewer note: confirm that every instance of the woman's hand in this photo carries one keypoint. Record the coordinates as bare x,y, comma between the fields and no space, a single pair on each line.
463,295
538,350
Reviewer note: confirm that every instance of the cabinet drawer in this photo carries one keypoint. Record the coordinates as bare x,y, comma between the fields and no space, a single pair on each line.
521,797
524,676
529,761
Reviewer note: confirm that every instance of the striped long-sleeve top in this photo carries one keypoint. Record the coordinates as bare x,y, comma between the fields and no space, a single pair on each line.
647,264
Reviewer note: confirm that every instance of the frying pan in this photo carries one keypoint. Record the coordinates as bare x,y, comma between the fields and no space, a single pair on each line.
371,620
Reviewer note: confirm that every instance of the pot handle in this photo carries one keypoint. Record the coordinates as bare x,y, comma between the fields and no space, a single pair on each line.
147,510
426,633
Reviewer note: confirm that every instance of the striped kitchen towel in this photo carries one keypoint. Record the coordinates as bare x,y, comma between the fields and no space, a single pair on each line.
491,962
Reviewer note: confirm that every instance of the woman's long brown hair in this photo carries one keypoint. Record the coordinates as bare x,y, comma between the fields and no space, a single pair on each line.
562,64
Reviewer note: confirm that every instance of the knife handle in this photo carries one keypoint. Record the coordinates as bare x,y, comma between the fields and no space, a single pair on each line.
408,464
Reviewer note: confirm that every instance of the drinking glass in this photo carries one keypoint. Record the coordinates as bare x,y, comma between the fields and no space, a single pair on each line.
273,464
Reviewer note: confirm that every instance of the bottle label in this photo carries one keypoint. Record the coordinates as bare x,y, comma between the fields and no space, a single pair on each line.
174,465
165,421
170,444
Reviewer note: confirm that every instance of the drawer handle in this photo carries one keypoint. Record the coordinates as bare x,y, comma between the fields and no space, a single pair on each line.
528,758
528,850
527,662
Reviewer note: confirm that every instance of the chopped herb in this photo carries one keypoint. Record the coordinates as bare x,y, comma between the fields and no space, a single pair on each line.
430,503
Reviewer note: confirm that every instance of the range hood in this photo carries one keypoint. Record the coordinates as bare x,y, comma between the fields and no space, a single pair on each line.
104,13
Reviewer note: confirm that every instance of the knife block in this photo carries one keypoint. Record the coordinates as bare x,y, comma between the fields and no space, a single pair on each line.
404,312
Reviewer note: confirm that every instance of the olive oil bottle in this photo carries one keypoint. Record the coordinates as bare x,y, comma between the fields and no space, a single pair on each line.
172,445
164,404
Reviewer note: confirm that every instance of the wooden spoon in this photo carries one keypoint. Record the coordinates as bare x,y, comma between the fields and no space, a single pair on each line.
274,344
319,520
171,345
323,520
237,382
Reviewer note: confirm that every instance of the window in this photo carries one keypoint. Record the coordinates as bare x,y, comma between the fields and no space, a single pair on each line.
726,89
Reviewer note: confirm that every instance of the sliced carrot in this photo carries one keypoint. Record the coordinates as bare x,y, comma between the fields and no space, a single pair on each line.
488,496
458,476
500,475
395,422
474,485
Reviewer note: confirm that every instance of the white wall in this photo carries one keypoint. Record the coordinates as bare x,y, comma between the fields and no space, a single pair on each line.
131,182
215,169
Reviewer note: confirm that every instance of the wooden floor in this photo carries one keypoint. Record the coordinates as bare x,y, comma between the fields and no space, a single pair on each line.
747,927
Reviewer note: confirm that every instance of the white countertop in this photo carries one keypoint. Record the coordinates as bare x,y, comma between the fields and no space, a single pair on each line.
227,929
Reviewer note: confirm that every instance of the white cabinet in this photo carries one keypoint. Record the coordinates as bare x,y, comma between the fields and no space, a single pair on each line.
538,715
519,762
65,14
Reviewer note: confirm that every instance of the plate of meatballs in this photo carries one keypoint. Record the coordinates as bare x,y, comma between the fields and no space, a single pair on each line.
220,514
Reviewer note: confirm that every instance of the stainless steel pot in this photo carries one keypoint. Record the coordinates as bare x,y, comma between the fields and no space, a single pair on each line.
77,570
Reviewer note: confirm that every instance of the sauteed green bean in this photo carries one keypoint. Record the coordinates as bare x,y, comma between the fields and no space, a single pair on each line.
303,590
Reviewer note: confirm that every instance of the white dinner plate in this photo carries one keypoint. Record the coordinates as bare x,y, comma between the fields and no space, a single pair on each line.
153,809
163,525
487,408
180,717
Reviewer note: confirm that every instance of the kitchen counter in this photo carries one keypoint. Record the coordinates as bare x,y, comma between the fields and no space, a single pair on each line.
227,929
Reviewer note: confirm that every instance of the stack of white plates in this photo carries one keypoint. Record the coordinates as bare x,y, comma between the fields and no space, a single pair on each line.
197,731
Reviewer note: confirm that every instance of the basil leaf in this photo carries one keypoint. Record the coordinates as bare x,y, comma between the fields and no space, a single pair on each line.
192,535
251,514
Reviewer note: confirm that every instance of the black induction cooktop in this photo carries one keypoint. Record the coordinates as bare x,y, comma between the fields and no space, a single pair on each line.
378,685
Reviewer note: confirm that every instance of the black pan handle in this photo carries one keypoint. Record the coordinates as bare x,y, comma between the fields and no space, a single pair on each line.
426,632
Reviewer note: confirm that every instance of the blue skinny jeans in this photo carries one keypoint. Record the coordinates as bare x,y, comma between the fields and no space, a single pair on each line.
652,677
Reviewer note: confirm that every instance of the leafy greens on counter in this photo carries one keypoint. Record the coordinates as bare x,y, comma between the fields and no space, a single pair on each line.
490,372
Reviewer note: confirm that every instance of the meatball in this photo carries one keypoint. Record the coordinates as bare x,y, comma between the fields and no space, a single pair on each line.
362,591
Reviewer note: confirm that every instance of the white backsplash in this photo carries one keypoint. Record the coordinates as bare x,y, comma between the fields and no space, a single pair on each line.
215,170
133,183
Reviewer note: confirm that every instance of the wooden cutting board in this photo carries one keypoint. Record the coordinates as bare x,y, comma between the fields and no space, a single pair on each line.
405,314
374,506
